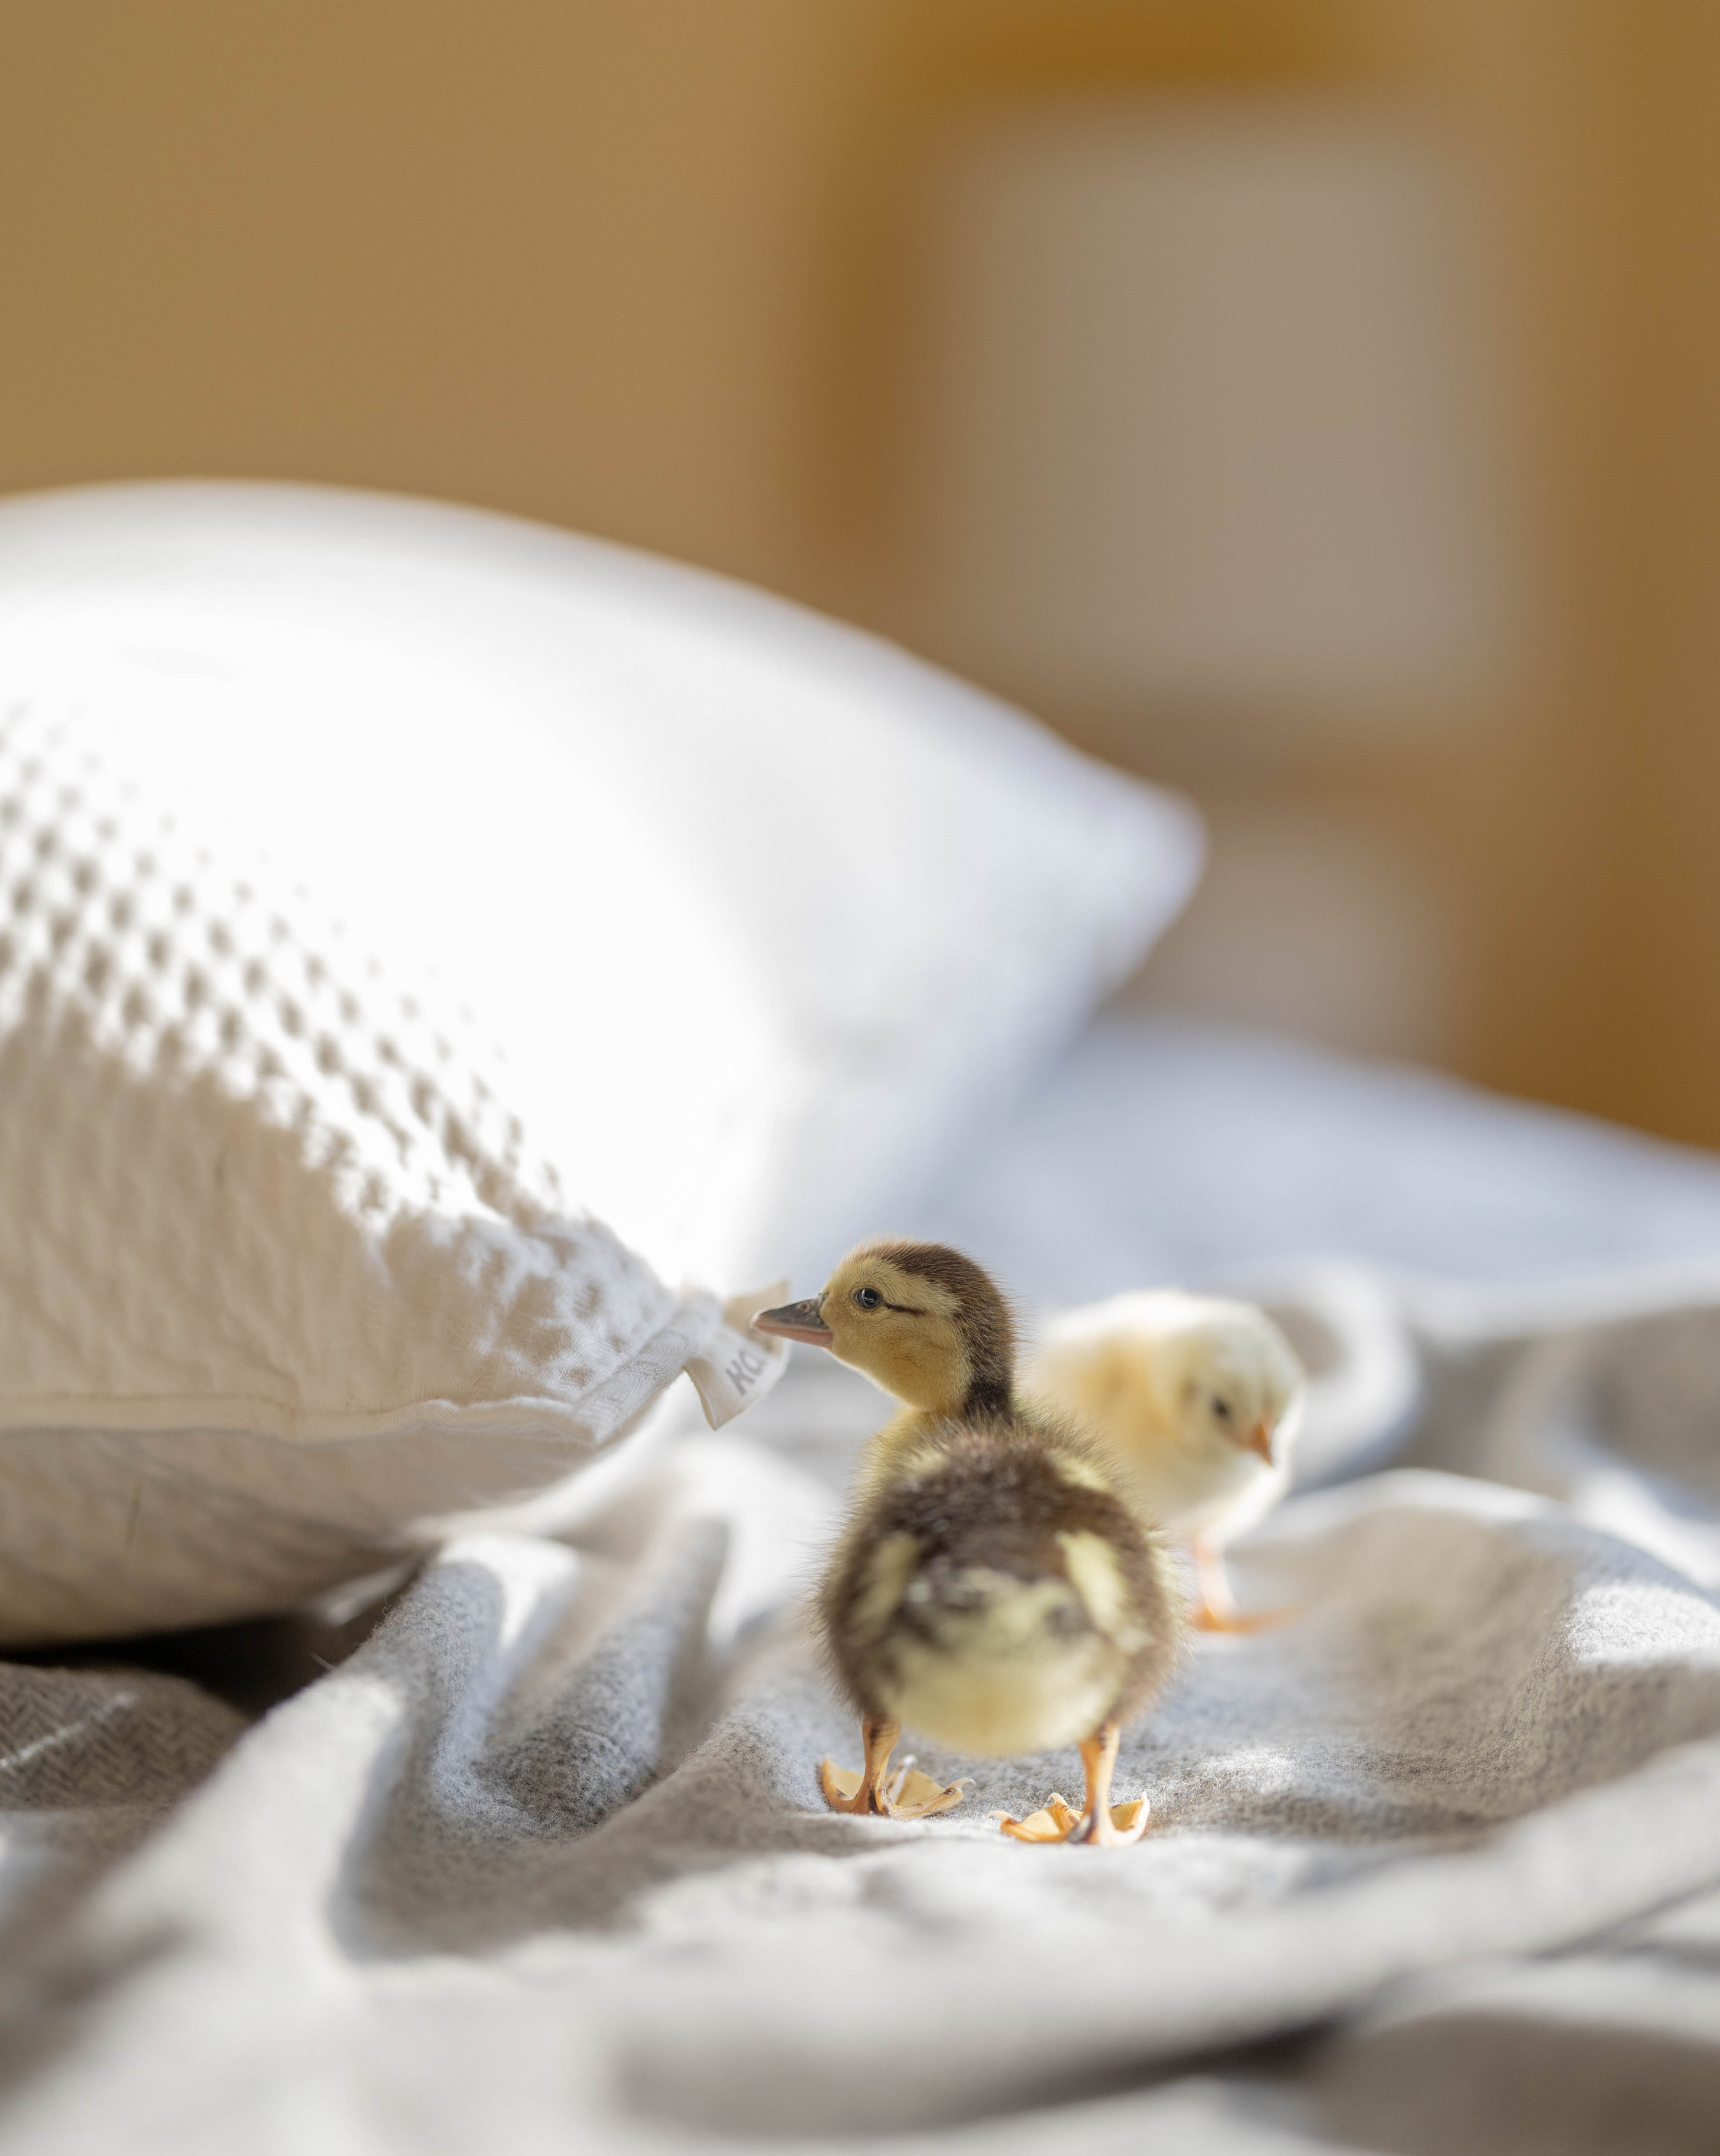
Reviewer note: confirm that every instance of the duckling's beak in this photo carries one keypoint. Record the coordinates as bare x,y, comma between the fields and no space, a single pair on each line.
1259,1439
796,1320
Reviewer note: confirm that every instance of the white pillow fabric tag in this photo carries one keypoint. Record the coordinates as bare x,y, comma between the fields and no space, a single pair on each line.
737,1366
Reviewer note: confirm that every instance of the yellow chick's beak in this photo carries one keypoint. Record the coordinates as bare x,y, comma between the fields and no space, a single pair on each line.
796,1320
1259,1439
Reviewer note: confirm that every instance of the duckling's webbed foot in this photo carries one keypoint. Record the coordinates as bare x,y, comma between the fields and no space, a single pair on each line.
1101,1824
1115,1828
905,1794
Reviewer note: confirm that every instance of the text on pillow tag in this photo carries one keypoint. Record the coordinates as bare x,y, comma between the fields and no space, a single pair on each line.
737,1366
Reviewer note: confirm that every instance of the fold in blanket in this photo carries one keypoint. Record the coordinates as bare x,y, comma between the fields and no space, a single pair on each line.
543,1864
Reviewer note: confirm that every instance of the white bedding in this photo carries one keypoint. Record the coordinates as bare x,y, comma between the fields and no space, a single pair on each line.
1167,1147
542,1865
389,895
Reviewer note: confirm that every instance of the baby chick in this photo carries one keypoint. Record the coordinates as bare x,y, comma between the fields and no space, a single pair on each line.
1200,1398
994,1587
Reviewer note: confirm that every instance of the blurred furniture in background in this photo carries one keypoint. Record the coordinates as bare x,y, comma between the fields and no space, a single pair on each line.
1209,460
1204,450
641,268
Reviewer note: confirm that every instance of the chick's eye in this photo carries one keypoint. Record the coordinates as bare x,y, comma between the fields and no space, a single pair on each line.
868,1298
1221,1409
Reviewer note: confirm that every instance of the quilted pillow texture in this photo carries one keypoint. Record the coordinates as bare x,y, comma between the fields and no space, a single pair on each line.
388,896
280,1280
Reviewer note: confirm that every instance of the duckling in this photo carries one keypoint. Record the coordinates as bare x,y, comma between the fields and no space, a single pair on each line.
1201,1397
994,1587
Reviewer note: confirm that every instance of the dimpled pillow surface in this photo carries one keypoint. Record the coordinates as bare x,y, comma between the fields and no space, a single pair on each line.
386,891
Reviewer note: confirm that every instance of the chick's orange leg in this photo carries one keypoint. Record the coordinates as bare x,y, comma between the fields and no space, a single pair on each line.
875,1790
1214,1609
1101,1824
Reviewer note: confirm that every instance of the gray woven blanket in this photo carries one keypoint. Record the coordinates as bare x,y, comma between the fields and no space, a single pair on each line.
540,1862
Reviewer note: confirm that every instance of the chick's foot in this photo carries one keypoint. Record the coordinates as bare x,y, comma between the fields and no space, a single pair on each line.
1204,1617
1213,1607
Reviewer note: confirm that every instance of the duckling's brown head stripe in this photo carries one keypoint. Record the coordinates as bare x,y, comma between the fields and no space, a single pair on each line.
983,1316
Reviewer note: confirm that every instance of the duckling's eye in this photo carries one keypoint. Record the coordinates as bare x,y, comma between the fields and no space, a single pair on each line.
1221,1409
868,1298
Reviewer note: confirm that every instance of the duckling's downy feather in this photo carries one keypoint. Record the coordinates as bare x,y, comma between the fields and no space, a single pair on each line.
997,1592
980,1312
994,1588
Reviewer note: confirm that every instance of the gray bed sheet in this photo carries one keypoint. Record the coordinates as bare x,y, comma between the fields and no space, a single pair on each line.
1165,1148
534,1859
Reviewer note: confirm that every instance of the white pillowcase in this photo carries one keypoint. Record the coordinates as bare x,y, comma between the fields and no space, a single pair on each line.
383,885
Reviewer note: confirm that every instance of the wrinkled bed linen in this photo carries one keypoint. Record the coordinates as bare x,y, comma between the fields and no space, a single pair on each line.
542,1864
1168,1147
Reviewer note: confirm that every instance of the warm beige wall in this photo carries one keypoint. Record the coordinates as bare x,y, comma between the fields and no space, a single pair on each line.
636,266
1663,730
538,254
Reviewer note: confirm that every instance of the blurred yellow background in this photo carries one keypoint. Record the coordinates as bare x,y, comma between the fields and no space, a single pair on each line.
647,268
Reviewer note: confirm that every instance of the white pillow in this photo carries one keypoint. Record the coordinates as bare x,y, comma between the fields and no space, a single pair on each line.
382,886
